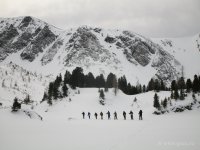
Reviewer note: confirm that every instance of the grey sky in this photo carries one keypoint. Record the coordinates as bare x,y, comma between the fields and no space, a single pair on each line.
153,18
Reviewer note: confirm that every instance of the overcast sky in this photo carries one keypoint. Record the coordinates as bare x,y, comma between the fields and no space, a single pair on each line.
152,18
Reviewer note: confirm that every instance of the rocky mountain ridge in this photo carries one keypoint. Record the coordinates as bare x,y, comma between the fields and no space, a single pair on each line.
30,41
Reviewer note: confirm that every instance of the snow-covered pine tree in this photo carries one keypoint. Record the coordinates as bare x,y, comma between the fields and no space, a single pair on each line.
156,102
102,97
16,105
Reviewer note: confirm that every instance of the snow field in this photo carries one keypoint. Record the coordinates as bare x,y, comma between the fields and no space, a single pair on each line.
63,127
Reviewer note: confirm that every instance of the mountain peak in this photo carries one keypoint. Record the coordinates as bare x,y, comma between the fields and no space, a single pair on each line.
94,49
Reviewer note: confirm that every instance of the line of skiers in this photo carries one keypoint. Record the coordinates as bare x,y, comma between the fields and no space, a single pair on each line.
115,115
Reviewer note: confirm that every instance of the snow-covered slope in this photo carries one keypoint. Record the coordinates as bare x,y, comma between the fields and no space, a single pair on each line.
63,128
40,47
18,82
186,50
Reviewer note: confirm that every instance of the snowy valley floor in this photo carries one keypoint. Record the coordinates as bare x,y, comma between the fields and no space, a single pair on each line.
63,128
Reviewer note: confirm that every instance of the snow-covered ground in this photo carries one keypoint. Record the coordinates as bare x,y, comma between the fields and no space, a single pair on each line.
63,128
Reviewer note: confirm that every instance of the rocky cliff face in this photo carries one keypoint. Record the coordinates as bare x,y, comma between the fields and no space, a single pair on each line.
105,50
24,33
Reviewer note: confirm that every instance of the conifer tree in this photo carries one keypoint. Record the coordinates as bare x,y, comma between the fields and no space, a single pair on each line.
144,89
101,94
110,79
115,85
67,77
172,94
176,94
16,105
195,84
139,88
65,90
77,78
55,90
173,85
106,88
45,97
50,90
181,83
157,85
122,84
151,85
165,103
162,86
188,85
156,102
100,81
182,97
90,80
129,89
49,101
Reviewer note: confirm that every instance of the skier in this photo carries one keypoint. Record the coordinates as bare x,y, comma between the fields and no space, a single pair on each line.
131,113
140,115
108,113
89,115
124,114
115,115
101,114
83,113
95,114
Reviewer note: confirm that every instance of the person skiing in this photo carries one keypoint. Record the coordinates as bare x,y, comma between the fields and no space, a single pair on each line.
101,114
131,114
95,114
89,115
115,115
140,115
108,113
124,114
83,113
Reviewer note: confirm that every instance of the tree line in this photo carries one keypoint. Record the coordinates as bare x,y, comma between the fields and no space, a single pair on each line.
58,88
179,89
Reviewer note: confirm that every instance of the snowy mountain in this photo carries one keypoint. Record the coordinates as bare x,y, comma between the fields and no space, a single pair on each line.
33,52
186,50
38,46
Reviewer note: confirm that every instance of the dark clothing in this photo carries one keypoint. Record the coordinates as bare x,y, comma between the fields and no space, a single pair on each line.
124,114
140,115
131,113
108,113
89,115
96,115
83,115
101,114
115,116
